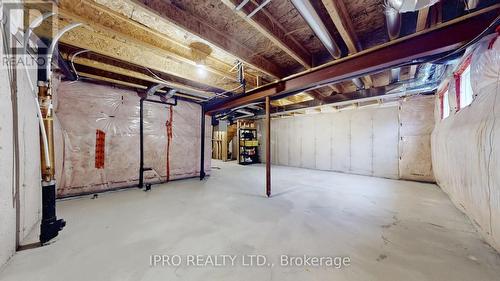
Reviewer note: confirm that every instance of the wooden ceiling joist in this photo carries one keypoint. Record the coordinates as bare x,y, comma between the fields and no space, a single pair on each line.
421,24
341,19
438,40
96,15
106,42
110,68
273,31
164,11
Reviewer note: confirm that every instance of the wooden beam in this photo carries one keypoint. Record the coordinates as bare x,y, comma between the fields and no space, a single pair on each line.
134,74
273,31
268,147
104,42
161,11
422,19
341,19
421,24
101,17
441,39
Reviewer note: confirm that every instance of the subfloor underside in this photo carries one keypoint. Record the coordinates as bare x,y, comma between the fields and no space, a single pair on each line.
390,230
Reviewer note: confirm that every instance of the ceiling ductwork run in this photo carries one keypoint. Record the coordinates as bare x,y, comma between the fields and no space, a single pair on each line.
392,13
312,18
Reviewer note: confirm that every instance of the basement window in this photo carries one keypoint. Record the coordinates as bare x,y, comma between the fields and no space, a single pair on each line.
445,105
463,84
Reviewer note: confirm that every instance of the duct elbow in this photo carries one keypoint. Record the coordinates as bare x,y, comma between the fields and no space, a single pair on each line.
393,17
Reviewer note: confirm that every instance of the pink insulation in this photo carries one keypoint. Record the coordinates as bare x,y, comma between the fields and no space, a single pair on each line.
83,108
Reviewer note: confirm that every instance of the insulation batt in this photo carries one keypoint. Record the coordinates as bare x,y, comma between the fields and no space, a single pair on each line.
466,145
389,140
82,108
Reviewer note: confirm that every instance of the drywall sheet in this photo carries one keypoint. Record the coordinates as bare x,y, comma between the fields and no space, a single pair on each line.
416,116
172,138
350,141
466,145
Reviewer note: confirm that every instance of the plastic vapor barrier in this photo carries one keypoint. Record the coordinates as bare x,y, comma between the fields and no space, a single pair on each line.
360,141
466,145
96,123
389,140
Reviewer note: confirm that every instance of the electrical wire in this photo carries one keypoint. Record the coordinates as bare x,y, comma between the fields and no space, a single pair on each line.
72,61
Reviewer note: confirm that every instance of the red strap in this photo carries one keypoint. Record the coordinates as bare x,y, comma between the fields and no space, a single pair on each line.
457,89
458,75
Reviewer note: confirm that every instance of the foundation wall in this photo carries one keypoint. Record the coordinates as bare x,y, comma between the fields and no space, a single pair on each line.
172,137
466,145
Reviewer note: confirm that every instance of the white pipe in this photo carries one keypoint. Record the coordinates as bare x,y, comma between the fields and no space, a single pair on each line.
44,135
72,60
241,5
53,45
33,25
43,132
258,8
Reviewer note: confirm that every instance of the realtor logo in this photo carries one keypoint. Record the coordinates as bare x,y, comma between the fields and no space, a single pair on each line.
21,21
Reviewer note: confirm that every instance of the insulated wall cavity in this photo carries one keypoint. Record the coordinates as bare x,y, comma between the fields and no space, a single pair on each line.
466,145
361,141
172,138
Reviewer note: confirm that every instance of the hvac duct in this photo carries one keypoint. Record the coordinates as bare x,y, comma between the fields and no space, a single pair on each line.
393,17
414,5
359,84
312,18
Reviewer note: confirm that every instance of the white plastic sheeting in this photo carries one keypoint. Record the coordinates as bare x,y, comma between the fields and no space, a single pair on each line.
28,173
83,108
360,141
466,145
389,140
416,115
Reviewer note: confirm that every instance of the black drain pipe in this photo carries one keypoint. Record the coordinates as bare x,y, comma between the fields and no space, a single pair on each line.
141,133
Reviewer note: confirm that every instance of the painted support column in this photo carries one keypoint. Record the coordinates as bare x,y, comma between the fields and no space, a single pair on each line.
268,147
202,147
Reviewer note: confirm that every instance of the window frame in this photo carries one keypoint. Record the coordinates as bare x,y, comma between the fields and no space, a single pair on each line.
458,74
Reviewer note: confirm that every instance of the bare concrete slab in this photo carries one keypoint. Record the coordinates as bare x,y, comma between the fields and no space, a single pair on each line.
390,230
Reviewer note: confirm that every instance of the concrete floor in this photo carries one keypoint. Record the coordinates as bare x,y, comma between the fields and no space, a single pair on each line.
391,230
